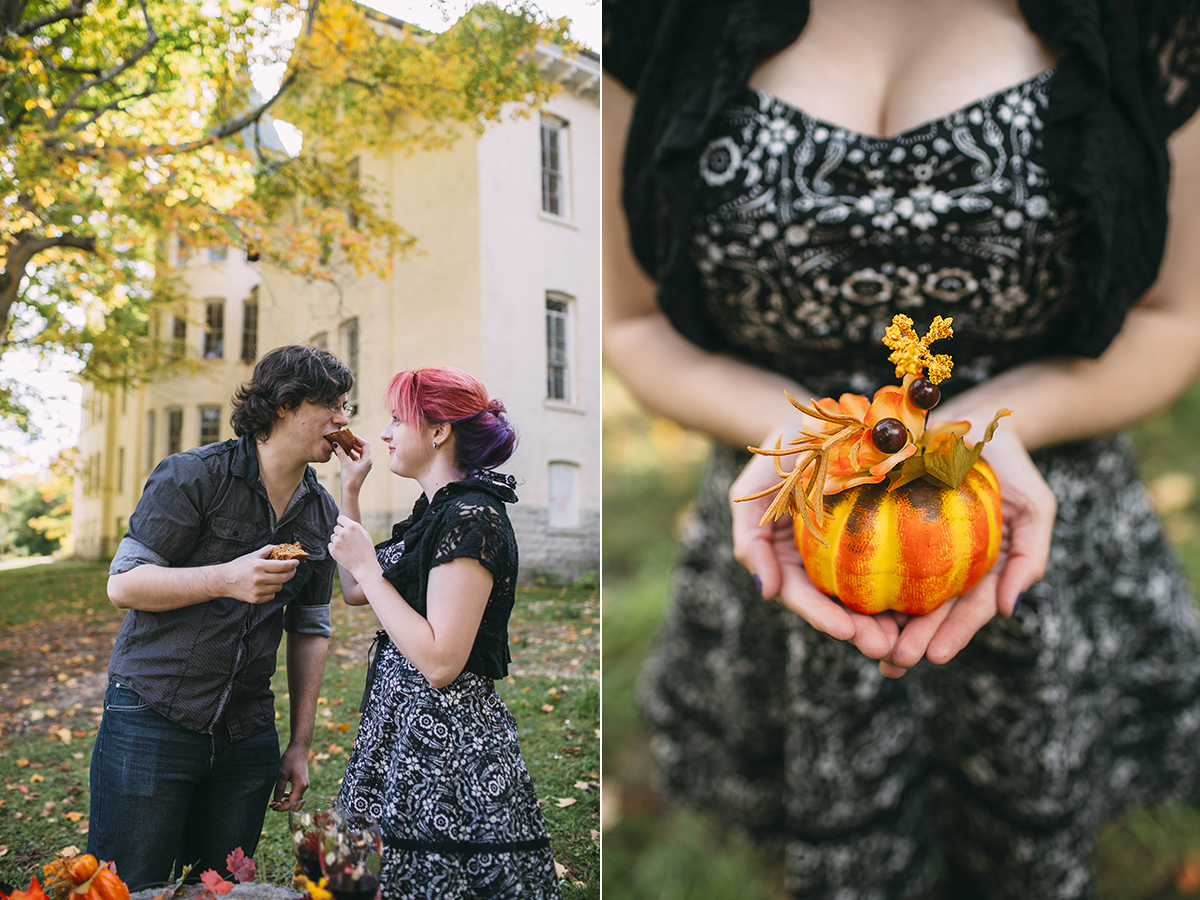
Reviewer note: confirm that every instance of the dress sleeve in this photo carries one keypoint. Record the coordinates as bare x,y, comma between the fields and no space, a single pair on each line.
477,530
1173,48
629,30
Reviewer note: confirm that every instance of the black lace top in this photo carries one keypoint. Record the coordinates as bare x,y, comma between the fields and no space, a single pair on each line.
1129,75
808,237
465,519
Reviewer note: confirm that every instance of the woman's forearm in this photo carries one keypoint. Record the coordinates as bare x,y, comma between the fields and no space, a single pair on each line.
1152,360
352,592
440,642
730,400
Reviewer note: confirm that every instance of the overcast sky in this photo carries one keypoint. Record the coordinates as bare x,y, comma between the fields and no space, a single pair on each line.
50,393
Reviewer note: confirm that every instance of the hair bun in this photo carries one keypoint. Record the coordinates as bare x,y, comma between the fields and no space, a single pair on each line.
495,407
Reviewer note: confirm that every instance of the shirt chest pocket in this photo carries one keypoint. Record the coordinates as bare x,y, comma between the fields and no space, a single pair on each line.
230,537
311,542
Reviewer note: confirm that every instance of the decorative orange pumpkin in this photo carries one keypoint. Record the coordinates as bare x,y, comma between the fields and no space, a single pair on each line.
910,549
81,868
103,885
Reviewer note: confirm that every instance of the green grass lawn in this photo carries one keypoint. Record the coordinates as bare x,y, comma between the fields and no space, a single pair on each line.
54,617
655,852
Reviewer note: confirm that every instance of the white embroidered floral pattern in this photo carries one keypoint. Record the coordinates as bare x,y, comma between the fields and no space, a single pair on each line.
800,223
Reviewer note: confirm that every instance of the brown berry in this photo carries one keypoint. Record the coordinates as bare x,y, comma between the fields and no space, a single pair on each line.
889,435
924,394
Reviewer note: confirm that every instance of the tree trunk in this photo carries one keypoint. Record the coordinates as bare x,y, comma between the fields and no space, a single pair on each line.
17,256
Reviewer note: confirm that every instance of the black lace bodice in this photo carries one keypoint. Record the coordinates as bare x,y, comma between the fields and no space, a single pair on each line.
1128,75
465,519
809,238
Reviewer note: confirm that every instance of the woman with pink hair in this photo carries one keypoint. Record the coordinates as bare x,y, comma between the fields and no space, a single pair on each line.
436,761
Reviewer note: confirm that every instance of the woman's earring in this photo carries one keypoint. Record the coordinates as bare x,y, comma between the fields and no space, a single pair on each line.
435,445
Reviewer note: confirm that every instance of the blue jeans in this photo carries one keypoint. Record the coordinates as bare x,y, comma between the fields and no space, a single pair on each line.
164,797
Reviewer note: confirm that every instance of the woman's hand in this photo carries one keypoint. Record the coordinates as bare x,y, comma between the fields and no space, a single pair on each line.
769,552
1029,509
352,549
355,465
899,641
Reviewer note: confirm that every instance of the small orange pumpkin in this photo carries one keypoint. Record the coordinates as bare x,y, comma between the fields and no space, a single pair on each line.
910,549
103,885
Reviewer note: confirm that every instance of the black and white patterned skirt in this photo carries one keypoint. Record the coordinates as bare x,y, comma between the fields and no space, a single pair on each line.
441,771
1005,761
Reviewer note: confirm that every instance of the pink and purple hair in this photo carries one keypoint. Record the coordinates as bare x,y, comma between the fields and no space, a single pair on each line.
484,436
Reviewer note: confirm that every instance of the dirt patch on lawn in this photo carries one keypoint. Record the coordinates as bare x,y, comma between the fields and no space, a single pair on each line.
55,669
52,669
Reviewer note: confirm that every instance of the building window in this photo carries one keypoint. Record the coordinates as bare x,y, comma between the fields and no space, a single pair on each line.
564,495
210,425
355,176
216,254
350,356
554,166
250,328
178,336
558,370
91,476
174,430
214,330
150,440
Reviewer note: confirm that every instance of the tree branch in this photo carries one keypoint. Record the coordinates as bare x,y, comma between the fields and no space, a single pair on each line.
229,128
23,249
116,104
73,10
147,46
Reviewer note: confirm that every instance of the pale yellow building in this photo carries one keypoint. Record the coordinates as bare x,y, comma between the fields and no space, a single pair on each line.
503,282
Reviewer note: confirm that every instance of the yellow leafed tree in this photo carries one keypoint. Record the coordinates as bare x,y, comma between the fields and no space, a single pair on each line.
122,121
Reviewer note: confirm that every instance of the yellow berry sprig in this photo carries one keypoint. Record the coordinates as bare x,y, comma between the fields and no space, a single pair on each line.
911,354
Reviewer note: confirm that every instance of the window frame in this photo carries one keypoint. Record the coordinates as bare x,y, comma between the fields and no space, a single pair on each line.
563,342
555,166
350,340
179,331
214,420
250,329
574,520
214,336
174,434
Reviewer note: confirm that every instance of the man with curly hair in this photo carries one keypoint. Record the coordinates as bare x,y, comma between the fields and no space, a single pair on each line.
187,755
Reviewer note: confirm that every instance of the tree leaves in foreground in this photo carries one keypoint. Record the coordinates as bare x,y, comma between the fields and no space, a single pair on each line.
123,122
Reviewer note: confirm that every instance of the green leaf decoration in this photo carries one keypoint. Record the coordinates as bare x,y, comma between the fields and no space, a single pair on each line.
950,462
909,470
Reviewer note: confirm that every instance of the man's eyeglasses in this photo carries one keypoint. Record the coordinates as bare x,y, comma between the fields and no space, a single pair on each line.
347,408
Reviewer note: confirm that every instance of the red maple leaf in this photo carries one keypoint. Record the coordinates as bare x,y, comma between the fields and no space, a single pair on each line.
241,867
215,882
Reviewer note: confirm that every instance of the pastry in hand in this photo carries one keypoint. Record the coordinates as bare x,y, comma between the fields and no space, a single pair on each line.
288,551
344,439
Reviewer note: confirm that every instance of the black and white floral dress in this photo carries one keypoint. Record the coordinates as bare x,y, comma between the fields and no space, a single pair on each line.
808,238
440,768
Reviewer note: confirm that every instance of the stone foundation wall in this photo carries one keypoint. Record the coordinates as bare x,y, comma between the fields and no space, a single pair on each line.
561,554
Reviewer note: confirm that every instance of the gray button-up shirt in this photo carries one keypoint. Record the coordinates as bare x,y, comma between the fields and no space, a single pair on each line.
197,663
